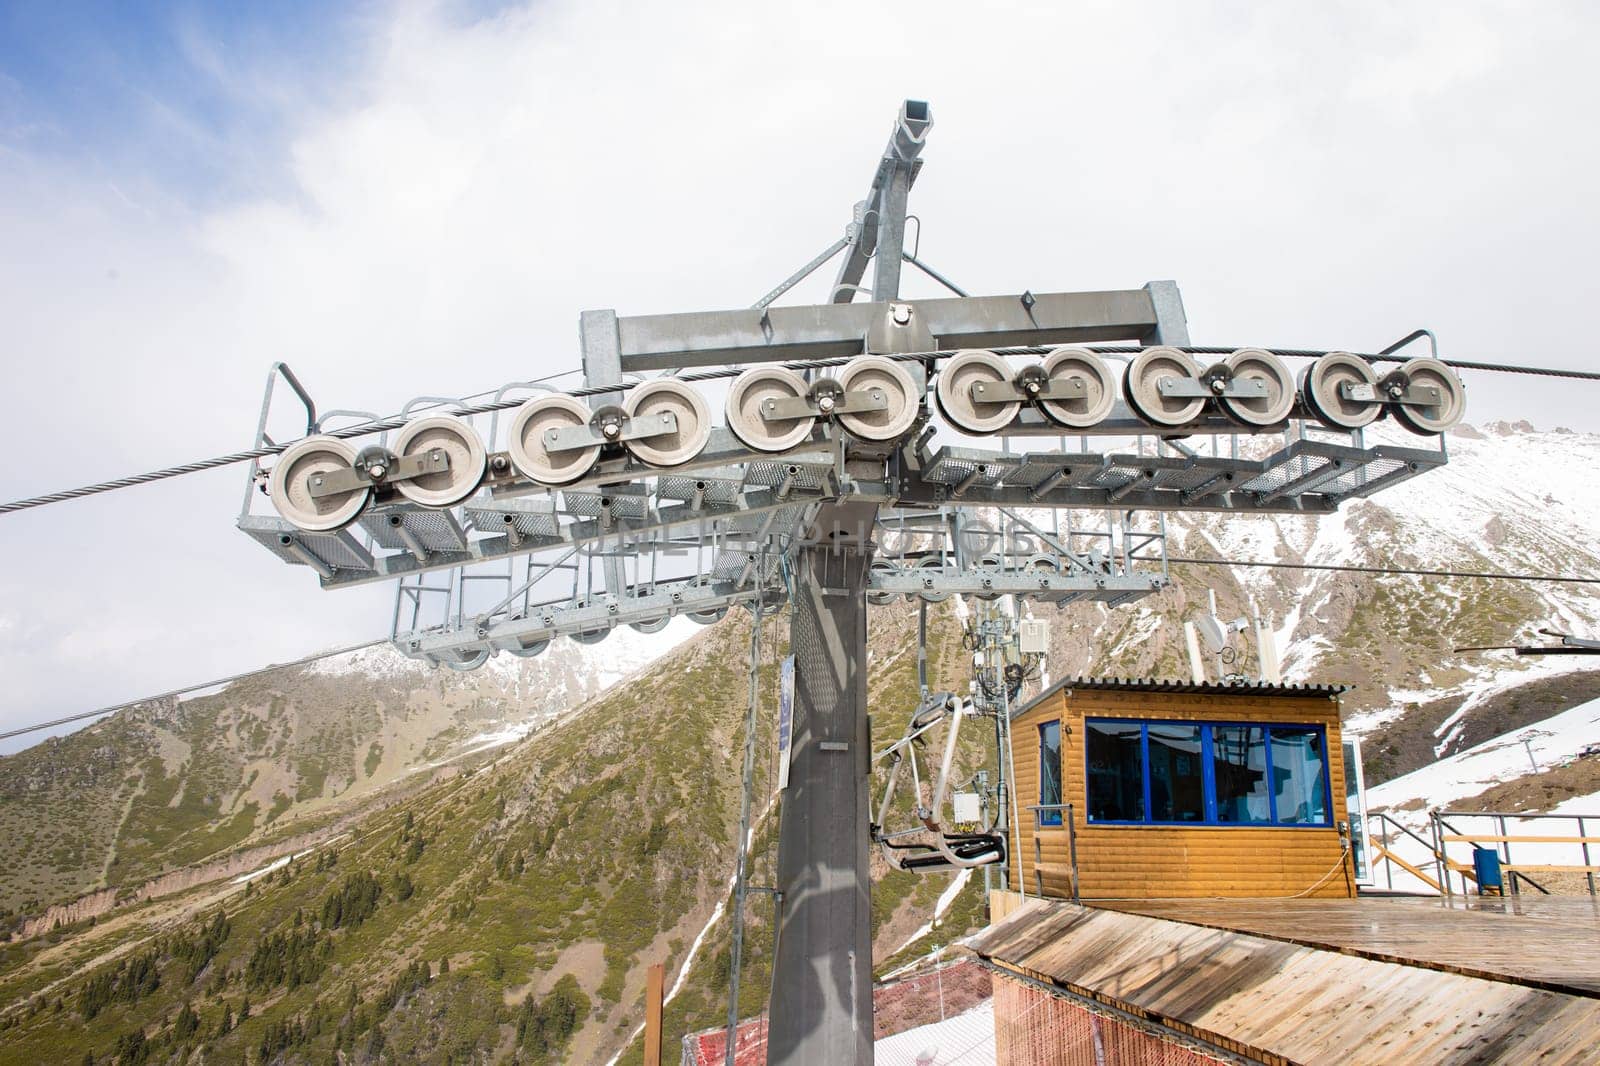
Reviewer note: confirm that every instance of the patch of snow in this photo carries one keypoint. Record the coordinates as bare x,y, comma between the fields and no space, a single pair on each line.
276,864
1552,741
947,897
966,1038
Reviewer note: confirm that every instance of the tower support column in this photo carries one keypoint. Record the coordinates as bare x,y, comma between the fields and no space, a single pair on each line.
821,1007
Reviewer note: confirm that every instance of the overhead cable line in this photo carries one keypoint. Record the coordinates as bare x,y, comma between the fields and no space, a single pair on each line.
192,688
1492,575
362,429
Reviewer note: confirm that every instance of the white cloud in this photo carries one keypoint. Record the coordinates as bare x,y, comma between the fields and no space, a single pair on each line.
1311,174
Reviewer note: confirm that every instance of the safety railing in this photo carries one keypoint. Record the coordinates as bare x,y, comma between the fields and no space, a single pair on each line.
1384,851
1063,812
1499,833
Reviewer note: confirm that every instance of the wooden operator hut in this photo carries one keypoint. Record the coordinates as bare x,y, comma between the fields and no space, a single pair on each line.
1162,789
1193,838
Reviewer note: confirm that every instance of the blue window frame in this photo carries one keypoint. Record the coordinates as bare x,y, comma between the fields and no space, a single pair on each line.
1155,772
1050,772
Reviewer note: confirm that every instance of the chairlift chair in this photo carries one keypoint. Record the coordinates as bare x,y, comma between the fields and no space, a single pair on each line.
949,850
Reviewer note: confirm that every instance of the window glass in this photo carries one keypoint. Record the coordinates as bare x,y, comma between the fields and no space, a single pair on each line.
1176,781
1297,760
1112,750
1049,771
1239,765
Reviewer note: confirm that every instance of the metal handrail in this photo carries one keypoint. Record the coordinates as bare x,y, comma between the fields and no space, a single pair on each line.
1504,839
1384,821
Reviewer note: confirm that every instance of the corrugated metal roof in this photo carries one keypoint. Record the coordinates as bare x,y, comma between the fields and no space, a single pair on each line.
1297,1002
1181,687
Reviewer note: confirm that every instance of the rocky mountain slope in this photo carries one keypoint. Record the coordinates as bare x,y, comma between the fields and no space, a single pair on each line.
511,908
171,783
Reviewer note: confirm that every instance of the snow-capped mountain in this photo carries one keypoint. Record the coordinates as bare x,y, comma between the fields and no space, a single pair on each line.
1511,499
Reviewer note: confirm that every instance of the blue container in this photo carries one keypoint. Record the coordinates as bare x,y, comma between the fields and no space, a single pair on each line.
1486,865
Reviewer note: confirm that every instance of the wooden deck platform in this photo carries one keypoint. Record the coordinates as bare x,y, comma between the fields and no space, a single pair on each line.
1551,943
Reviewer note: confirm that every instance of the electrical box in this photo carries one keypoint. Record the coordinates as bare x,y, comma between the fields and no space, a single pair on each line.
1033,635
967,808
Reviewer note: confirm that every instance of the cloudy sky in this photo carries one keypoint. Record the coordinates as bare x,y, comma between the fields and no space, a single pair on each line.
415,199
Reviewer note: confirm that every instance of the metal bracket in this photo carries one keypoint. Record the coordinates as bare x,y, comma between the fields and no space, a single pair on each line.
998,392
403,468
1410,395
1194,388
609,426
824,402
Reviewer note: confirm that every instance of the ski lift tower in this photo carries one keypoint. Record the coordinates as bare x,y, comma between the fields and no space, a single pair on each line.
1037,470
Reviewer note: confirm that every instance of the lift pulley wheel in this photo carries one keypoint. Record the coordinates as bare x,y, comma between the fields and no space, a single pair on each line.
1141,384
590,636
530,451
291,485
931,562
1099,387
960,390
461,445
880,597
756,387
1323,386
669,396
708,617
1435,417
655,625
899,391
528,651
1259,412
470,663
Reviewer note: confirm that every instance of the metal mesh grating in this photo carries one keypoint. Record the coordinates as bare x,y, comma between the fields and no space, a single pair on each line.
339,550
532,518
719,491
627,501
768,473
1357,479
950,468
438,531
1284,467
1036,469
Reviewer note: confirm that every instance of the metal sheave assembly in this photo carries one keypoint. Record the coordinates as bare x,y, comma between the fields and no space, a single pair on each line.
529,444
873,372
1099,388
751,391
1268,372
1434,417
960,389
668,396
1340,389
461,445
292,484
1141,385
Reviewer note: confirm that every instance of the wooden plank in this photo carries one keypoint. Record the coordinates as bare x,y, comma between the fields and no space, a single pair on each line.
1382,854
655,980
1274,1000
1533,945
